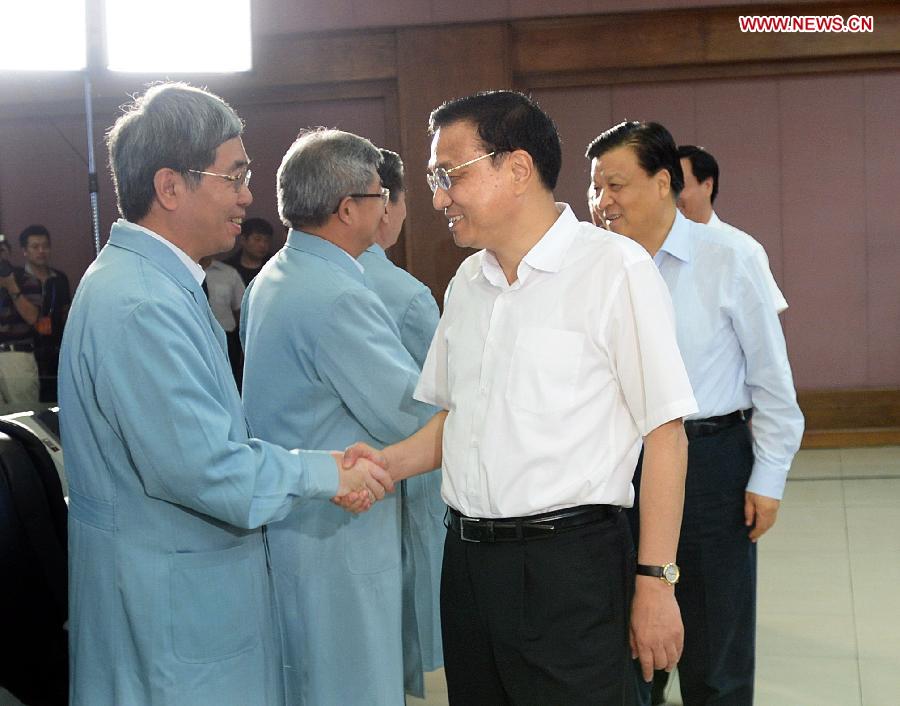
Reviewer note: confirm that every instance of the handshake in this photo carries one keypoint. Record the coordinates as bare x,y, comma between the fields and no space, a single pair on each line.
363,477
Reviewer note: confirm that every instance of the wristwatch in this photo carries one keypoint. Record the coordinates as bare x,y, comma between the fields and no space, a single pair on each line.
669,573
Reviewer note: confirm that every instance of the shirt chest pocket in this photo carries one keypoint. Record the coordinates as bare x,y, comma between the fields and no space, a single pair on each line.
544,369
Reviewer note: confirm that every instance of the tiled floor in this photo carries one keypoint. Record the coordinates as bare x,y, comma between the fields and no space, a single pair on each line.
829,587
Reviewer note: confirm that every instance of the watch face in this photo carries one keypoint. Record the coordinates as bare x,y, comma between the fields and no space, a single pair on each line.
671,573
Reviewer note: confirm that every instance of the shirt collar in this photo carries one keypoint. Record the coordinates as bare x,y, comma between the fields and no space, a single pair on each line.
158,249
30,271
376,249
678,241
314,245
547,254
194,268
714,221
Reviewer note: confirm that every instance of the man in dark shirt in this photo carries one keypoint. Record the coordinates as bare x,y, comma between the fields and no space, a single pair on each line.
19,311
256,248
49,290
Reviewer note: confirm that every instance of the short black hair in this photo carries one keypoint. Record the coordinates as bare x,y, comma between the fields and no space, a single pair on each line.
34,229
703,164
391,173
257,225
652,143
507,121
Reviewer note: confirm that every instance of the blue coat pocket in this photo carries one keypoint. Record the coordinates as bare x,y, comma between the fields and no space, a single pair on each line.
215,603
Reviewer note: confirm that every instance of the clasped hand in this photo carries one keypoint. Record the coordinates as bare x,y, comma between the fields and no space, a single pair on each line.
363,478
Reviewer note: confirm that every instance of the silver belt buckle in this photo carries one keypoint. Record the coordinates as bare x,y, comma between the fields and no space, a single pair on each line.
473,522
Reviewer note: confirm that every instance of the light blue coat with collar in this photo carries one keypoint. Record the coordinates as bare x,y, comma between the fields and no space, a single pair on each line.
325,366
412,306
170,596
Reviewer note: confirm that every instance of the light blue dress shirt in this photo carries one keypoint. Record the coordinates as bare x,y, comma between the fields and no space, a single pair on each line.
412,306
169,594
325,366
732,343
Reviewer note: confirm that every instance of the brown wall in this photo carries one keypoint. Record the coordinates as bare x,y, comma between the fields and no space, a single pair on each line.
803,126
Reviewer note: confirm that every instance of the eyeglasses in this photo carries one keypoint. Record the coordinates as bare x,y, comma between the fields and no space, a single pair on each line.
384,195
440,177
236,181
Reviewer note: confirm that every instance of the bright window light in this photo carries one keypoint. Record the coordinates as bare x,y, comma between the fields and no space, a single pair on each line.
196,36
42,35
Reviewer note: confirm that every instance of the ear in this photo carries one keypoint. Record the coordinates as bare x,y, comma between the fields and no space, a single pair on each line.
168,185
663,182
344,213
521,166
707,186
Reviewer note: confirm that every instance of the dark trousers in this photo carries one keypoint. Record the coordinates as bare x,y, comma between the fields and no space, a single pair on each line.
235,356
540,622
717,591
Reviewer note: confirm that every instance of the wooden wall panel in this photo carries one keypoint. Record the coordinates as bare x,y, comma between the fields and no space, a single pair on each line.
736,121
882,219
580,114
823,202
271,128
434,65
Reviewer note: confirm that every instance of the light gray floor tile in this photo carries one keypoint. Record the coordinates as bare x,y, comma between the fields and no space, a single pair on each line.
816,463
808,530
872,492
874,530
810,635
813,493
807,681
872,461
804,584
435,691
880,681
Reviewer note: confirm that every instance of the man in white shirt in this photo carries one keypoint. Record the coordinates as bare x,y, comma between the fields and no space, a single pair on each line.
554,358
735,354
701,186
224,288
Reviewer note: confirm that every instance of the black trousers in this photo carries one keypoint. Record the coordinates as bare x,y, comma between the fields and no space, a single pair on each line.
717,591
542,622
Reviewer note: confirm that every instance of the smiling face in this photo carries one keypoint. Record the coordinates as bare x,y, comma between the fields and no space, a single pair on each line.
478,198
213,209
630,201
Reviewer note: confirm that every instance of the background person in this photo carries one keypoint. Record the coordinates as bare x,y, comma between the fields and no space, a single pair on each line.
412,307
41,283
325,366
736,358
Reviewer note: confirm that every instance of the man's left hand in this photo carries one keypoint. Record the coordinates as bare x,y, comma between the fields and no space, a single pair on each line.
657,633
760,513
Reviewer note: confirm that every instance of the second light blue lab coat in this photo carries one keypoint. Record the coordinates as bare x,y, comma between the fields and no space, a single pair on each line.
412,306
325,366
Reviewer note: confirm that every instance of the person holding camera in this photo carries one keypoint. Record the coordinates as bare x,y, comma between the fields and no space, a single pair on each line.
19,382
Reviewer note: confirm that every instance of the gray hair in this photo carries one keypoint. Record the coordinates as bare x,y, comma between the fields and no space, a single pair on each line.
320,168
173,125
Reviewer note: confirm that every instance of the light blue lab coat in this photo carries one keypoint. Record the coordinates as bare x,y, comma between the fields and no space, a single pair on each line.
412,306
169,594
325,366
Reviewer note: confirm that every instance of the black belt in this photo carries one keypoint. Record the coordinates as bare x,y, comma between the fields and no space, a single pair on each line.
695,428
16,347
513,529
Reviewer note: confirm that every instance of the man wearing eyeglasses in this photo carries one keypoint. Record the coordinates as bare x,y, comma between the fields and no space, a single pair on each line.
170,589
555,355
325,365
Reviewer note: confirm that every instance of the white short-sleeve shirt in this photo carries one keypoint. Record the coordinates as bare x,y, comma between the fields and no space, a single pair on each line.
551,382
